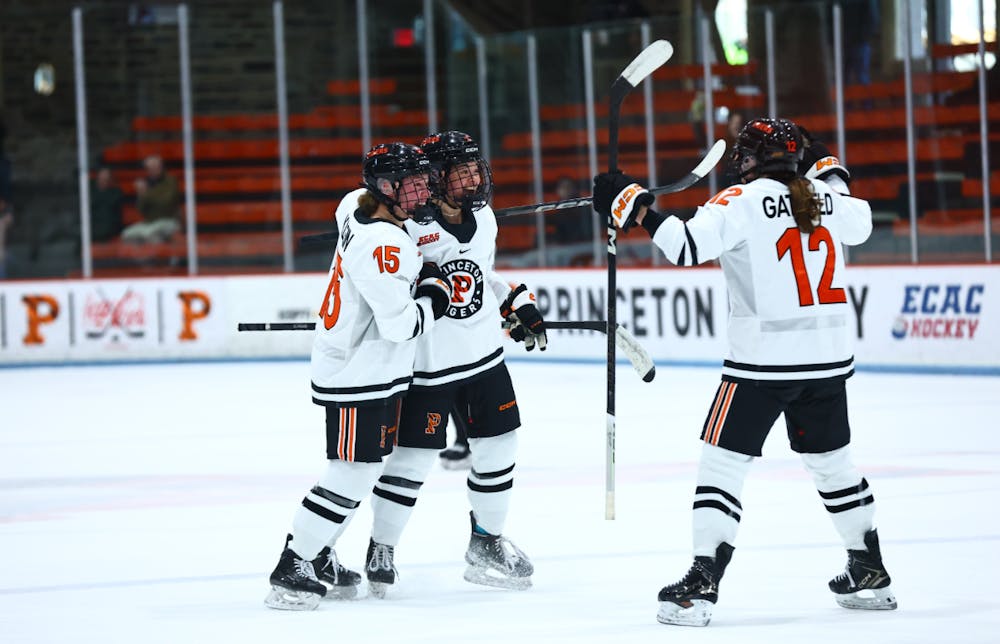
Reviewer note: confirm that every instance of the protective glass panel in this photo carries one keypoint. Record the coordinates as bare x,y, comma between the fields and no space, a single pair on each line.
39,188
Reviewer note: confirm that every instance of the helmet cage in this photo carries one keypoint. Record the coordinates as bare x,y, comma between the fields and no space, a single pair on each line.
395,162
456,181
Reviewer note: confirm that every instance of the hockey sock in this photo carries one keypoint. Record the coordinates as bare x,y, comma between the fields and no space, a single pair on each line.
395,492
491,479
325,510
845,494
717,508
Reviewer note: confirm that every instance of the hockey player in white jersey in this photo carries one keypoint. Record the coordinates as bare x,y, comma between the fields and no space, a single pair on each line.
460,364
778,237
379,299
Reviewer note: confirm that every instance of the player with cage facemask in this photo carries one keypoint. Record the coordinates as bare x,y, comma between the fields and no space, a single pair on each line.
778,237
397,175
459,370
379,299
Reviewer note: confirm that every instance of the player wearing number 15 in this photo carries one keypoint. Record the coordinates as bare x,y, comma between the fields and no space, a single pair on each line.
778,237
362,364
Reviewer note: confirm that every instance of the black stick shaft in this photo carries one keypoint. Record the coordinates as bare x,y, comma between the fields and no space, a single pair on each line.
585,325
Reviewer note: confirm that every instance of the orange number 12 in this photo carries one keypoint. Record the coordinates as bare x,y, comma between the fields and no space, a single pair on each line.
791,242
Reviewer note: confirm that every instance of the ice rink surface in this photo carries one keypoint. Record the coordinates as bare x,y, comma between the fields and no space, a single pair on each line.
150,503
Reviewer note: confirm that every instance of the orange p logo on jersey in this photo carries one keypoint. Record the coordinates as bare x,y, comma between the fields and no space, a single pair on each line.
433,420
37,316
460,284
195,305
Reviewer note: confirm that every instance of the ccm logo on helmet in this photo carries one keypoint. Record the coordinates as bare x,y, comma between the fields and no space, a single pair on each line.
625,198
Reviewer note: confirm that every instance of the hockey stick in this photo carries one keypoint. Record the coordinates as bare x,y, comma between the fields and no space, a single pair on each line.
699,172
624,340
648,60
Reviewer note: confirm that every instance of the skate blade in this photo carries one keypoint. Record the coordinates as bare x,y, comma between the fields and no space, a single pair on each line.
340,593
878,599
377,589
699,613
284,599
488,577
462,464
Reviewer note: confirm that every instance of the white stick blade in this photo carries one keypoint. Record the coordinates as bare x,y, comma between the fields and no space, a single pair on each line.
640,360
647,61
711,159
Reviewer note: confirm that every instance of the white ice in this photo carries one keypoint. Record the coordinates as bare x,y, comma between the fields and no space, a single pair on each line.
150,503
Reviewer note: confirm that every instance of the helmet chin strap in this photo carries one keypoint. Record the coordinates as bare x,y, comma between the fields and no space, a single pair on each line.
392,211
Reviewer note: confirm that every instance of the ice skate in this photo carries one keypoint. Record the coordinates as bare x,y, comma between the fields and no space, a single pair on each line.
495,561
340,582
456,457
864,584
294,585
379,568
689,602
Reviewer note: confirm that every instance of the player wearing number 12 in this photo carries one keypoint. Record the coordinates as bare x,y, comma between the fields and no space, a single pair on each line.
778,237
378,301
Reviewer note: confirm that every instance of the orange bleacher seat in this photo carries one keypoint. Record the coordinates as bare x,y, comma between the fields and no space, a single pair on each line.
210,245
250,212
968,222
943,50
663,102
679,133
236,150
379,86
927,83
973,188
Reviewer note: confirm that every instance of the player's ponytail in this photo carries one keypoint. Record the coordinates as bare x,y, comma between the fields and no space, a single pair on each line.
367,203
805,204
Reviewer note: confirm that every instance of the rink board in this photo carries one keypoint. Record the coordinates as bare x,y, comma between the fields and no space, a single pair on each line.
931,317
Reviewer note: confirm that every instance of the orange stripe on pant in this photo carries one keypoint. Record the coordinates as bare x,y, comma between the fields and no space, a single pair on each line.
346,433
719,395
717,431
354,433
352,422
341,435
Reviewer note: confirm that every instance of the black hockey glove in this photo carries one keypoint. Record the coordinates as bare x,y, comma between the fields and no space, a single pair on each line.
817,162
433,283
523,319
621,196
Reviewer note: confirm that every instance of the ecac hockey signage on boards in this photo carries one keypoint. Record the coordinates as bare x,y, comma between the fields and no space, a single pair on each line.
907,316
940,311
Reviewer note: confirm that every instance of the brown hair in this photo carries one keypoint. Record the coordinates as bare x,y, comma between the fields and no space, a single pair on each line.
805,204
367,203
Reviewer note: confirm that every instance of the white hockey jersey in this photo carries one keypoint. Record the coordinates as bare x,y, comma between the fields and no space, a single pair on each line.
789,316
366,337
467,340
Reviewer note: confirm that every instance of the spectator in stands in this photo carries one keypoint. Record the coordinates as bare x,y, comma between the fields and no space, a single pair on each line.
6,209
733,126
572,224
158,199
105,207
862,17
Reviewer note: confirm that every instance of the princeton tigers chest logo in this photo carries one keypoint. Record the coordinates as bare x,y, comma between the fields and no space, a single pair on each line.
466,288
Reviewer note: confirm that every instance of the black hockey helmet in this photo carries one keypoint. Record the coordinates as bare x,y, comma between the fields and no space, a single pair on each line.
394,162
766,146
471,185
